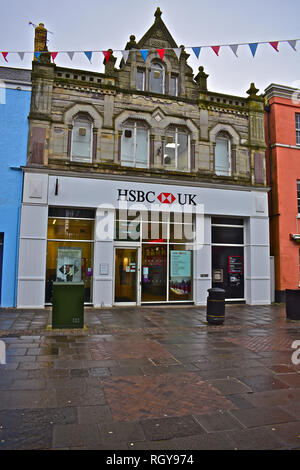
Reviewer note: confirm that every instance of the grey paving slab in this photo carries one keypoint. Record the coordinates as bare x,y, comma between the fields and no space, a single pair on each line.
188,385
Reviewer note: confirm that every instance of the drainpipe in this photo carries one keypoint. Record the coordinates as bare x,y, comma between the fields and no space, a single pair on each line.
268,110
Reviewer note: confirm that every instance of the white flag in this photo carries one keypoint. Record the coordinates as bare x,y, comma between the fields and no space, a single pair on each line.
292,43
177,51
125,54
71,54
234,48
21,55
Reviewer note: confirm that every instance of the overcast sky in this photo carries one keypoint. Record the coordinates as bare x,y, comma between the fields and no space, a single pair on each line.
100,25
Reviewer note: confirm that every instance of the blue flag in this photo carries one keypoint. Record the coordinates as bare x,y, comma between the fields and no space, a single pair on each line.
197,51
253,48
37,55
89,55
144,53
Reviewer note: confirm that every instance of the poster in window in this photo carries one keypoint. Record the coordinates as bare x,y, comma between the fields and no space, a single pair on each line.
180,273
235,264
68,265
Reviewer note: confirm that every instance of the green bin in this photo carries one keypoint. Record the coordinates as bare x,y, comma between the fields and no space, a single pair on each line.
68,305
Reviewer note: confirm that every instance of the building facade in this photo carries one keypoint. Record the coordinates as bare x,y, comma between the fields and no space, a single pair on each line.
282,125
142,183
15,92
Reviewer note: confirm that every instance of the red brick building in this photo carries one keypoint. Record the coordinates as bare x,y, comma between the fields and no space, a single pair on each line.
282,128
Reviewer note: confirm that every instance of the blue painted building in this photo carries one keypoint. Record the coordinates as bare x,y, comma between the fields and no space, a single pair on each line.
15,94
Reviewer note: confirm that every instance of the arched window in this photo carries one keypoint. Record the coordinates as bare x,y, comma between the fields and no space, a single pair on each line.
157,78
82,139
177,149
135,144
223,155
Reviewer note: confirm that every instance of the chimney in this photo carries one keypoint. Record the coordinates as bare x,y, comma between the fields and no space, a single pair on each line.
40,39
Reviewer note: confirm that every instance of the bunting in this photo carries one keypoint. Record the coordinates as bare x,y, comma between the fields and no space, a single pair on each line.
161,52
196,51
253,47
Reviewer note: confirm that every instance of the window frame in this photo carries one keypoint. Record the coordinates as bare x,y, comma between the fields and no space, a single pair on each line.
226,139
177,130
143,72
162,70
80,159
174,76
133,125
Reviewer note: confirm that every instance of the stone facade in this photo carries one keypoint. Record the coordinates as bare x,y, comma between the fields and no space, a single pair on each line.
111,99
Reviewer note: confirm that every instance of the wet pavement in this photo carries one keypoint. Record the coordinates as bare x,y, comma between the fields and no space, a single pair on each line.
151,378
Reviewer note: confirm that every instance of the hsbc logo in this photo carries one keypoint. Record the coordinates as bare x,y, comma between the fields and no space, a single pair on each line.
166,198
132,195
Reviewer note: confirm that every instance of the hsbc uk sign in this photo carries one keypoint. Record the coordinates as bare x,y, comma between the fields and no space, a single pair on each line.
133,195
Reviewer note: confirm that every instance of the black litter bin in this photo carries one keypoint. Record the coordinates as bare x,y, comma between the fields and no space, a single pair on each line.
292,299
215,313
68,305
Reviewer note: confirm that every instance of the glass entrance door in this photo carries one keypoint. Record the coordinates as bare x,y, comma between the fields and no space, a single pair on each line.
126,275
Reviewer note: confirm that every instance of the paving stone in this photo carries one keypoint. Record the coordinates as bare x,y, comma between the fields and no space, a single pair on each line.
218,421
113,433
287,434
94,414
168,428
256,417
230,386
261,383
254,439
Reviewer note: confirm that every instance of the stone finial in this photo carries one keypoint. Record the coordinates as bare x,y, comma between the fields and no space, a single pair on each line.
158,13
132,43
110,65
201,79
252,92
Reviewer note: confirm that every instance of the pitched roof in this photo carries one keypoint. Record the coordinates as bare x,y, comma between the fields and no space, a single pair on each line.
158,26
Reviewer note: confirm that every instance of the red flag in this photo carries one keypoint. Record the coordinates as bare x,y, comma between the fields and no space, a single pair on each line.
53,55
4,56
216,49
107,55
161,53
275,45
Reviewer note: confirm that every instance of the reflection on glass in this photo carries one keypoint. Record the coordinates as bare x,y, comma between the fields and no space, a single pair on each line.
125,275
180,276
154,273
72,229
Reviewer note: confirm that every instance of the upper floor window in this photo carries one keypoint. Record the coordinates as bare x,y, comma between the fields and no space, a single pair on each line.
174,85
297,129
140,80
82,139
222,155
157,78
298,196
134,144
176,152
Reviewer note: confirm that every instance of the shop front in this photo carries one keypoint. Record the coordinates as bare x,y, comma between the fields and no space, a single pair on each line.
166,244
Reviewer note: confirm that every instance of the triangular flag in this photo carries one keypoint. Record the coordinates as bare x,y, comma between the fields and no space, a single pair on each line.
4,55
197,51
161,53
21,55
234,48
275,45
53,55
37,55
71,54
292,43
253,47
177,51
89,55
106,55
144,53
216,49
125,55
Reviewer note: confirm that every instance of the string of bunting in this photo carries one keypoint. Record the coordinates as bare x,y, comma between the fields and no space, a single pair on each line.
144,52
